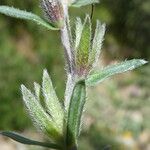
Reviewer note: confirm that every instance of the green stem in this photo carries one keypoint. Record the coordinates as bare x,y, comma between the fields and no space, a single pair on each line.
72,148
69,57
75,111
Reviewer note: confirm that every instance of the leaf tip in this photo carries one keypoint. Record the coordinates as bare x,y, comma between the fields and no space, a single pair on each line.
23,88
25,91
45,73
36,85
142,61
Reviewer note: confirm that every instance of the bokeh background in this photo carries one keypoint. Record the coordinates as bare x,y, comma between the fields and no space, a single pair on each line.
117,111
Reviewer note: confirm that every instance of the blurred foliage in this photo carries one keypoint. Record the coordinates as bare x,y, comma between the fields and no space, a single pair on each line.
99,138
128,21
26,49
121,105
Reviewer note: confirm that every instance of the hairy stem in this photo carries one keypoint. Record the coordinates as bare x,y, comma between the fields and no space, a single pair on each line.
69,89
66,42
69,55
73,148
66,45
65,38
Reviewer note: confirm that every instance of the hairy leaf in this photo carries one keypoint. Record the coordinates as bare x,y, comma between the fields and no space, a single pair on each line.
19,138
39,117
53,105
75,112
98,76
78,32
79,3
82,51
97,43
20,14
37,89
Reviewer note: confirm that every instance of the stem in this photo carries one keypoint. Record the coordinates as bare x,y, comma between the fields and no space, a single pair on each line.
66,40
68,92
67,47
73,148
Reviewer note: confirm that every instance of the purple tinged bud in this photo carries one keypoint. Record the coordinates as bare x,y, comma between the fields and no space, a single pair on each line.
53,11
82,46
87,46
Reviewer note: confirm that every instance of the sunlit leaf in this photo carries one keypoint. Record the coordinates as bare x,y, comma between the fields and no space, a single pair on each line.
20,14
98,76
79,3
37,89
53,105
97,43
78,32
39,117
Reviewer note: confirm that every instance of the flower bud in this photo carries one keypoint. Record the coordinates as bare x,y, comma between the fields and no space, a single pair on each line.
53,10
87,46
82,45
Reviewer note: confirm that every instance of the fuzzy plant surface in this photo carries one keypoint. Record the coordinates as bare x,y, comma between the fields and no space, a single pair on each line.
61,122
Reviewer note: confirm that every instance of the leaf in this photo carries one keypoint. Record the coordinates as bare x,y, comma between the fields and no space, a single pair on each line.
82,51
20,14
97,43
37,89
19,138
98,76
75,112
39,117
66,37
53,105
80,3
78,31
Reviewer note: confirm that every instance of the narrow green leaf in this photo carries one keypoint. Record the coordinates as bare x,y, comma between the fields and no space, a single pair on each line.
98,76
97,43
78,32
79,3
19,138
20,14
75,112
39,117
82,51
53,105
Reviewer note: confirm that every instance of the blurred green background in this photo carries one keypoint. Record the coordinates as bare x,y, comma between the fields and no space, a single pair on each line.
117,111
